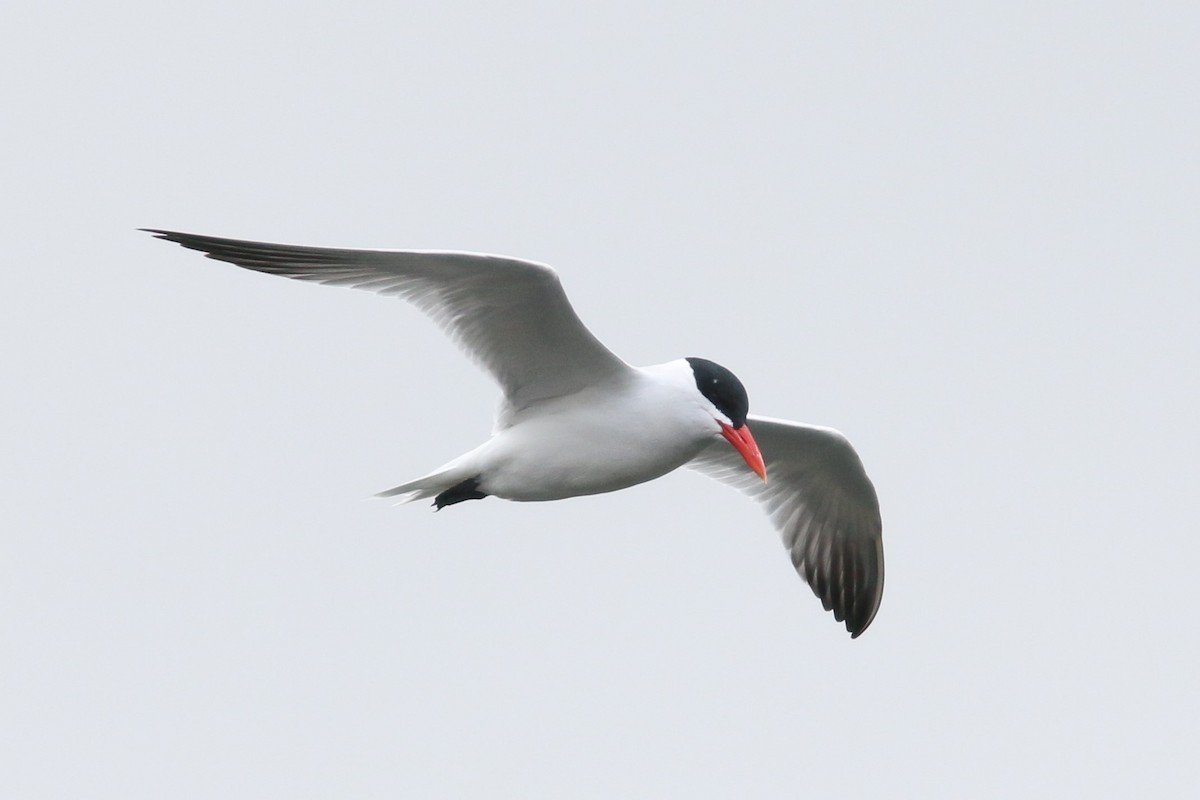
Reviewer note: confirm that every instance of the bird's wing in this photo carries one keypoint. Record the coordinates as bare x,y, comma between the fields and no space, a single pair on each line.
511,316
818,496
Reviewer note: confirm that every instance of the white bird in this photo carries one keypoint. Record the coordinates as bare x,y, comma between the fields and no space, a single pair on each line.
575,419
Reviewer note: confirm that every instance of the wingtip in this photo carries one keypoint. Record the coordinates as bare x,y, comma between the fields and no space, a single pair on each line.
859,628
158,233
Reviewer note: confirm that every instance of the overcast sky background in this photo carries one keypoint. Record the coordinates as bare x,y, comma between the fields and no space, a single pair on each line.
965,235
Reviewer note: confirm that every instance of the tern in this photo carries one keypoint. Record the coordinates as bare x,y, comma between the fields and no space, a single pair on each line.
576,420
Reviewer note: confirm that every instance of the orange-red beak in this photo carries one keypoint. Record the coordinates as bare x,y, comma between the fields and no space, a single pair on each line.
744,443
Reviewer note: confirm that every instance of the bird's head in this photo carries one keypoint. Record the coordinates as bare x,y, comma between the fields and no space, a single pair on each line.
730,405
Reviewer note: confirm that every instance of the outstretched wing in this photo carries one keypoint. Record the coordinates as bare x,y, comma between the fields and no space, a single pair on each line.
511,316
818,496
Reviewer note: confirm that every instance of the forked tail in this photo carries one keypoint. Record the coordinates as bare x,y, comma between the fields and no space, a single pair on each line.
444,486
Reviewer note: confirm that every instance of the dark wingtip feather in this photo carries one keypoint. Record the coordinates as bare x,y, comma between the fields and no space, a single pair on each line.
850,587
189,240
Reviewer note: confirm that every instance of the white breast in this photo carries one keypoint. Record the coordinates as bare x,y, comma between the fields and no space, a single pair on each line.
599,440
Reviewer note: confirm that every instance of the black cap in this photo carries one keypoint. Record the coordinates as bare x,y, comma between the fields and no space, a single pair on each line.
722,388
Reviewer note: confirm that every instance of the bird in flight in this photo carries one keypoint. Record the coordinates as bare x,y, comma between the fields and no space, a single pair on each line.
575,419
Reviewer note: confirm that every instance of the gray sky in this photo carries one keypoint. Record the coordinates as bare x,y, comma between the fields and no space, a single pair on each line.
966,237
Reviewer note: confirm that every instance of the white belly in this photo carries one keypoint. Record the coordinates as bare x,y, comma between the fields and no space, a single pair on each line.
588,446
